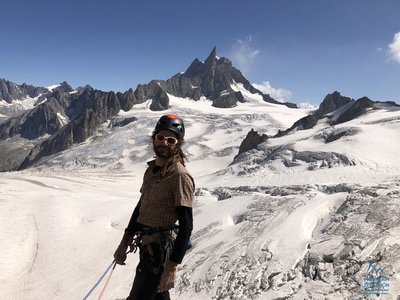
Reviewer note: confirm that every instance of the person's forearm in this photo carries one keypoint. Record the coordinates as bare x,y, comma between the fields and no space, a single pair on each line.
133,225
126,240
185,218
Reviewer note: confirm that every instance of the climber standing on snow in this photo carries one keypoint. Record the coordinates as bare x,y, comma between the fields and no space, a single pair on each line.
167,195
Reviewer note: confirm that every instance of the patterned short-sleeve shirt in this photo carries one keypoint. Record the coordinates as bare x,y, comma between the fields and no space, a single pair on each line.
162,191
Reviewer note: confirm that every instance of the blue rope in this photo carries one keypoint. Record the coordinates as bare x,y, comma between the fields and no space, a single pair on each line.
100,279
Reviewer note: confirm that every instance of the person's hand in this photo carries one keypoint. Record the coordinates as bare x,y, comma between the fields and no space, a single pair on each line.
168,276
120,254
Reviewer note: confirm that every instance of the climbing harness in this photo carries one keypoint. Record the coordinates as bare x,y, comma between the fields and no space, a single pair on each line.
161,252
154,230
166,245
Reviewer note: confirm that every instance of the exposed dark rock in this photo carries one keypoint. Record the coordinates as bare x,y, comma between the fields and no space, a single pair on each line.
222,193
251,141
10,127
304,123
126,99
227,100
84,125
335,137
332,135
356,110
82,88
160,100
328,159
290,163
10,91
81,102
46,118
390,103
13,152
147,91
194,69
268,98
59,142
331,103
64,87
184,87
121,121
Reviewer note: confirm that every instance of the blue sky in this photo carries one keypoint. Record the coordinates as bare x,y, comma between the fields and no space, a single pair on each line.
299,51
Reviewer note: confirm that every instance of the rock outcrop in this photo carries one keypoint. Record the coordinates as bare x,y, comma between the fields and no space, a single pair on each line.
10,91
252,140
306,122
359,108
331,103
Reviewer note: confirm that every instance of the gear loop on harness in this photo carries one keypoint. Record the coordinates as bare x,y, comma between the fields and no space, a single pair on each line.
136,243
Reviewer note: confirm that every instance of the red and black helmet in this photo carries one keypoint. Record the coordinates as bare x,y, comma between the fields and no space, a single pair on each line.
173,123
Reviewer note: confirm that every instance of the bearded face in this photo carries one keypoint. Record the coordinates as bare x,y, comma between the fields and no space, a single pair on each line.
164,144
163,151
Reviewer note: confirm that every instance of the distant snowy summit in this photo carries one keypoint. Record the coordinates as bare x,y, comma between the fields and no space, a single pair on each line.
215,79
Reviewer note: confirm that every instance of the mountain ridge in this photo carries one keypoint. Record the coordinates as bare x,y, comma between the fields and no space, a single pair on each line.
63,116
67,116
10,91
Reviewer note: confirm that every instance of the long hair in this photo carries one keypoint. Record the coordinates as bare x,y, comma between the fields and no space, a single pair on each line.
179,152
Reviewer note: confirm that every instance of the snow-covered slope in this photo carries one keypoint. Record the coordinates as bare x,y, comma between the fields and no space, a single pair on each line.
20,105
17,107
300,216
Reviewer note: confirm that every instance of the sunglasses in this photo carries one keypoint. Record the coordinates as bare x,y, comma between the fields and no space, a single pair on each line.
170,140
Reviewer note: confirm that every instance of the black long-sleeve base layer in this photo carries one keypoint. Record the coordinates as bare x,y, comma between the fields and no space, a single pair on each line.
185,219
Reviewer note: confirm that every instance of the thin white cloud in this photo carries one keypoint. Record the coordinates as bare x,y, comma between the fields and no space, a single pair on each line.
243,54
307,105
279,94
394,48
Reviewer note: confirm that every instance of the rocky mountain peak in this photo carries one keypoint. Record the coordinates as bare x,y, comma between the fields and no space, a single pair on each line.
331,103
65,87
194,68
251,141
357,109
212,79
211,59
82,88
